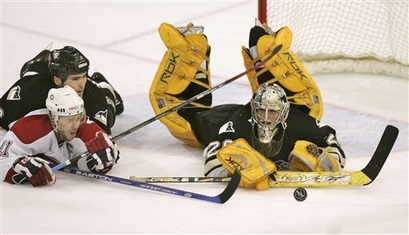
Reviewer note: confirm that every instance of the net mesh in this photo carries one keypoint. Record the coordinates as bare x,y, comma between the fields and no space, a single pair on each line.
359,36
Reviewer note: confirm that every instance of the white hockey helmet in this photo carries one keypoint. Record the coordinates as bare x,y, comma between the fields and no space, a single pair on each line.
269,97
63,102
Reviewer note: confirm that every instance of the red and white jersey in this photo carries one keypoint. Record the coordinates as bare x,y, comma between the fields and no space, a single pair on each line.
33,134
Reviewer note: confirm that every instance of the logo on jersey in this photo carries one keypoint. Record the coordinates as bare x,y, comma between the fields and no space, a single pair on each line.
4,148
101,116
228,127
56,54
331,140
14,93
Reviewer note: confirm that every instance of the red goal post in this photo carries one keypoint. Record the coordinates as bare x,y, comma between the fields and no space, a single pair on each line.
368,36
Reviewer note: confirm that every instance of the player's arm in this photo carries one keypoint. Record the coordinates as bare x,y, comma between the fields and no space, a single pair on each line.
98,108
226,132
19,163
9,110
212,166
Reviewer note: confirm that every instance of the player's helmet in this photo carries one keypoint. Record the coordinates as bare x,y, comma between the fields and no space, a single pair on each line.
267,98
37,65
63,102
66,61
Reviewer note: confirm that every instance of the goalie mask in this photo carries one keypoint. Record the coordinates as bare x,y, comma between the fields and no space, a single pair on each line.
65,102
269,107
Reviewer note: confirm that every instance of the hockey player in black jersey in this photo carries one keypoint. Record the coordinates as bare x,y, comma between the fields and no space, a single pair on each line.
279,129
57,68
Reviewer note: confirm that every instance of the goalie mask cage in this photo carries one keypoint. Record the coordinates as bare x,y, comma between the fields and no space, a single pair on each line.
367,36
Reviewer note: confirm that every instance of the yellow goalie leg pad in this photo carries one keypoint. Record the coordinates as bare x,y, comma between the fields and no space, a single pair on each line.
185,57
283,37
253,166
180,64
287,71
307,157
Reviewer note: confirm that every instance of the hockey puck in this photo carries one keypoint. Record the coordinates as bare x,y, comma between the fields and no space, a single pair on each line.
300,194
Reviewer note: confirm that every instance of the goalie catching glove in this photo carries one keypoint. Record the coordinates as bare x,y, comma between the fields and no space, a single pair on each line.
307,156
253,166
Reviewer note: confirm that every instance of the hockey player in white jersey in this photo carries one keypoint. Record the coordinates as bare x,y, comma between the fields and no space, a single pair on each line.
60,132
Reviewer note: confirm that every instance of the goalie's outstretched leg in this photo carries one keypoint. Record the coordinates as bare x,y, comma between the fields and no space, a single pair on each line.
183,73
285,69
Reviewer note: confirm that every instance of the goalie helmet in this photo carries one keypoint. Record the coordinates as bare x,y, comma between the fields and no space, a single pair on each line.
269,108
66,61
63,102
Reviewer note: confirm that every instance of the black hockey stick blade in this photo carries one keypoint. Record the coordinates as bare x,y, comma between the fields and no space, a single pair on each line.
231,187
381,152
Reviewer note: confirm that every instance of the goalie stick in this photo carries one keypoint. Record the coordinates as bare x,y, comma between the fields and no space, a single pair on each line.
221,198
310,179
270,54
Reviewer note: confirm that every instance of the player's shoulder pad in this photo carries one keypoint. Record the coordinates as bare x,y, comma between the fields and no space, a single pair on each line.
31,128
88,130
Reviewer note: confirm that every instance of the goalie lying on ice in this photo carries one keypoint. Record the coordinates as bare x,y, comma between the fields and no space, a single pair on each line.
269,133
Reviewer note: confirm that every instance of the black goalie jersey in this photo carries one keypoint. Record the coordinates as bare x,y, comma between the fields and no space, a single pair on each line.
221,124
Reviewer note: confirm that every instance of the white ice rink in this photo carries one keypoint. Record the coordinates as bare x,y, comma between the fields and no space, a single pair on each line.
122,42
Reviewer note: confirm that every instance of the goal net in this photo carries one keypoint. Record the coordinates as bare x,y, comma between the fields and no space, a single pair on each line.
368,36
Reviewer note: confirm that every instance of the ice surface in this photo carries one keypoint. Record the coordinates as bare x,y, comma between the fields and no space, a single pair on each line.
122,42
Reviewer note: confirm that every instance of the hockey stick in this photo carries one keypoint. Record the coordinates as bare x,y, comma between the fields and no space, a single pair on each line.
169,179
69,162
178,107
221,198
310,179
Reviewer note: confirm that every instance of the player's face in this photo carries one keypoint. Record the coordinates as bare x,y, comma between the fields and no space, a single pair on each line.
77,82
266,117
266,122
68,126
